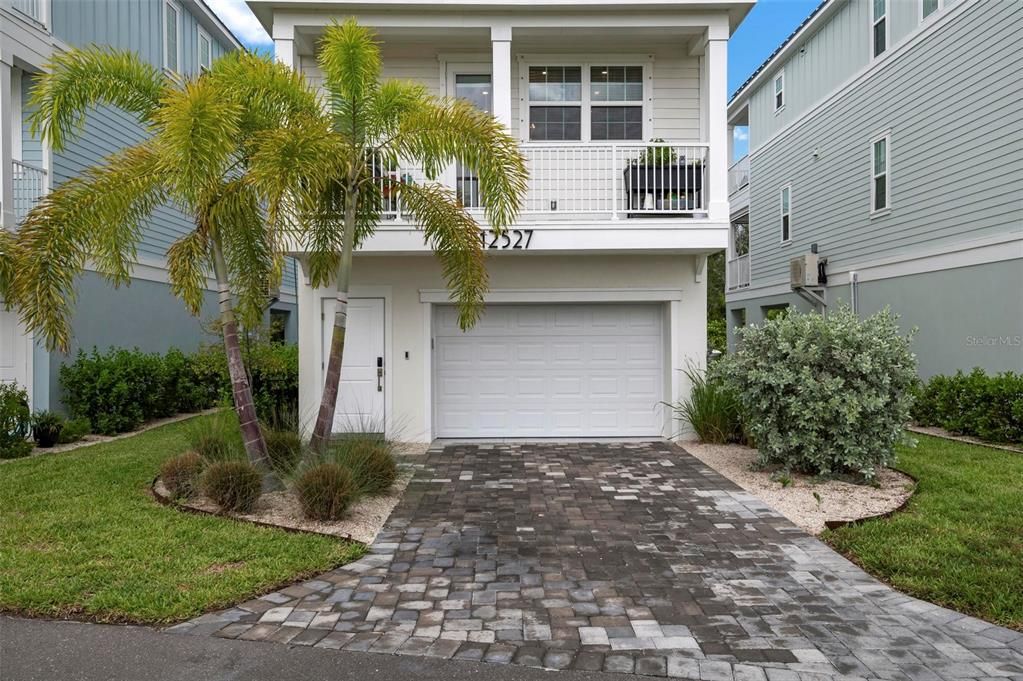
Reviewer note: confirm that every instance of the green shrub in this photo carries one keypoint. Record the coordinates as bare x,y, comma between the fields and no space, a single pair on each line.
46,428
712,409
15,422
988,407
325,491
74,430
217,437
232,485
824,395
370,461
180,475
284,448
120,389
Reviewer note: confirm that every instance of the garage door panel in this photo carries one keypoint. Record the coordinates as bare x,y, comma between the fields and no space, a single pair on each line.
550,371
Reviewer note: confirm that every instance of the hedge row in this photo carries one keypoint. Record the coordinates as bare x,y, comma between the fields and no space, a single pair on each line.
120,389
988,407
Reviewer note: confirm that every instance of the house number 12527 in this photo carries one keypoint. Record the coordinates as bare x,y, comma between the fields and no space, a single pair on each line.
511,238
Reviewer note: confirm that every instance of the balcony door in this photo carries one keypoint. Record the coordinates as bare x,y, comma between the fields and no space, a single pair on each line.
473,83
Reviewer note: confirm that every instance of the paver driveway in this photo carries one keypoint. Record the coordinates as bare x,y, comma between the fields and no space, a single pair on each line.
631,557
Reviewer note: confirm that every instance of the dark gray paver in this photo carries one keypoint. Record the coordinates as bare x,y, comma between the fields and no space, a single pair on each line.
631,558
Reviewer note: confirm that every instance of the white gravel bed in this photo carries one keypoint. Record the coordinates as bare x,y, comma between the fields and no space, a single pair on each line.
362,522
838,500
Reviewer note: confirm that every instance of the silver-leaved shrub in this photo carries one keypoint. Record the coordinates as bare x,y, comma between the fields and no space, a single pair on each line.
824,395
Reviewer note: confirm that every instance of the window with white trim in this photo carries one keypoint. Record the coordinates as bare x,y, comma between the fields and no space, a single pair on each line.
879,26
204,50
880,187
785,204
171,36
578,103
929,7
779,91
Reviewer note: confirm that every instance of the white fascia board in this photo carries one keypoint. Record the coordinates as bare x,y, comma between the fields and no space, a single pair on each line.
651,237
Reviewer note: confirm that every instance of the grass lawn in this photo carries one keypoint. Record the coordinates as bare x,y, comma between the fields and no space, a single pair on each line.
959,543
80,537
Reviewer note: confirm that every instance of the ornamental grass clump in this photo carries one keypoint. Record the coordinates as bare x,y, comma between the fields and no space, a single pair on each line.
826,396
325,491
217,437
180,475
370,461
232,485
712,409
284,448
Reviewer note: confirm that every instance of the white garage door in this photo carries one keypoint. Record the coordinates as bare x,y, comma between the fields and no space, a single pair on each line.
550,371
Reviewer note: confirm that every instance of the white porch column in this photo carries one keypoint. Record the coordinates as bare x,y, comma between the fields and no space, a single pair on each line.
310,348
500,40
284,52
6,147
716,75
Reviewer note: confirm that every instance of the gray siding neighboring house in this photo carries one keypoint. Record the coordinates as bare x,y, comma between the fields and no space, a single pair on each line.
143,314
946,251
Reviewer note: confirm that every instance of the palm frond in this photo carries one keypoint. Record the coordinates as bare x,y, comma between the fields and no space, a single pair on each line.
7,267
188,264
350,60
270,93
197,140
97,216
455,239
79,79
442,133
394,100
252,255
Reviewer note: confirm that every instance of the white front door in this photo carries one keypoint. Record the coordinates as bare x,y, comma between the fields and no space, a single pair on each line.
14,351
576,370
360,404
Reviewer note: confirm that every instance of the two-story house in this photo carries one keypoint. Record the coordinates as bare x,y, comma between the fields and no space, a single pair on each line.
887,135
181,36
597,295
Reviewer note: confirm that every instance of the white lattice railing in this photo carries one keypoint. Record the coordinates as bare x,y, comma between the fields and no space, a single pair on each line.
34,9
29,185
603,180
738,175
738,272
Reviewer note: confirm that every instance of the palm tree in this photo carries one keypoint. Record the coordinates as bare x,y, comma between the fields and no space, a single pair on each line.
373,126
203,131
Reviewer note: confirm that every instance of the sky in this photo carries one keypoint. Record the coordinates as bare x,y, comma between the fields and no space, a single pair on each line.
765,27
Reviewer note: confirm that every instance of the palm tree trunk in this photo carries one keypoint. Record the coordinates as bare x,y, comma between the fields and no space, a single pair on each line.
252,436
332,382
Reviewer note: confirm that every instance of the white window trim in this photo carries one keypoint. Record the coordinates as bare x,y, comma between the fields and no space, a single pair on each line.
886,18
781,213
774,92
932,15
170,4
201,35
887,137
585,62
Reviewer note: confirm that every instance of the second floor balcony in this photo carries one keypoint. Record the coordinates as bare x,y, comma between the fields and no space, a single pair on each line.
591,181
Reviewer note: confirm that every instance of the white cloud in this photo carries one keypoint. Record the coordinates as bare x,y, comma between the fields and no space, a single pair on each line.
740,134
240,19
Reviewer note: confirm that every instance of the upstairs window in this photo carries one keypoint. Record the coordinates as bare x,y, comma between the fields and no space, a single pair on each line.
929,7
171,37
880,188
879,26
586,102
204,47
557,92
779,91
786,213
616,96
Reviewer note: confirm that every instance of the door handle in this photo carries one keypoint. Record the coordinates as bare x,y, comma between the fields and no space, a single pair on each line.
380,374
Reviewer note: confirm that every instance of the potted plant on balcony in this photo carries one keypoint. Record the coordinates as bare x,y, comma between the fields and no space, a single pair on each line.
659,179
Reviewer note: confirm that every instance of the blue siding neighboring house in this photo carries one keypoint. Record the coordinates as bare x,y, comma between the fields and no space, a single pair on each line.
143,314
904,168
